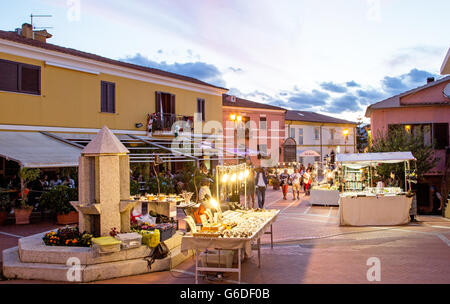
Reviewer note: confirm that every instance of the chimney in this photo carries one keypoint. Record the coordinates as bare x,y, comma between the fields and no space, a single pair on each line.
42,35
27,31
430,79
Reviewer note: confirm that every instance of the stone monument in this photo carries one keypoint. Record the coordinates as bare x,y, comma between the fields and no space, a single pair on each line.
104,186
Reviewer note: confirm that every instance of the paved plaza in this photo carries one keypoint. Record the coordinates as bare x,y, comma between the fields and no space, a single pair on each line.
310,247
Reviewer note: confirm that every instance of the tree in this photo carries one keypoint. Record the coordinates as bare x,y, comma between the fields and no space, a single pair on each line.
398,139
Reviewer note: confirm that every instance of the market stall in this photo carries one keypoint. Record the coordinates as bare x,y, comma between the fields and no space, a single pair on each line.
325,196
360,204
233,230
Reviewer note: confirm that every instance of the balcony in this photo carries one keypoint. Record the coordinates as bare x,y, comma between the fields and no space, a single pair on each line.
163,124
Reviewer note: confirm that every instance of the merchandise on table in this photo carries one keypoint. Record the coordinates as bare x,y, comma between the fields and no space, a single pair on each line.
237,224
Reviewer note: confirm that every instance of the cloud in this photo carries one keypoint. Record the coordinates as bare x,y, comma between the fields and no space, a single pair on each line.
307,100
200,70
332,87
346,103
407,81
352,84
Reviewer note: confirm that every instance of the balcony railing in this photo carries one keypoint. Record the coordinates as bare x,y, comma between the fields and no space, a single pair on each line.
165,122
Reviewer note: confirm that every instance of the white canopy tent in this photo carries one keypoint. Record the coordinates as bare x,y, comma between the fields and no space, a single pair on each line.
37,150
368,158
361,160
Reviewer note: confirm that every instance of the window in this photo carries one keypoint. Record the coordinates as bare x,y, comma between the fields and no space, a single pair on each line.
201,107
262,149
20,77
332,132
300,137
108,97
316,133
292,131
263,123
440,135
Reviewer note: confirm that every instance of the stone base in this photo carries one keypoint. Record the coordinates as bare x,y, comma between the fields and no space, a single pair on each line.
33,260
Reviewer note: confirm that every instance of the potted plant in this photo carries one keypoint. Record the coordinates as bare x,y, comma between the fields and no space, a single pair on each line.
5,207
22,210
57,201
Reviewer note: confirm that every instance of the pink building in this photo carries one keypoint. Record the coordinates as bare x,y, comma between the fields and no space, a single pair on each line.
427,108
254,130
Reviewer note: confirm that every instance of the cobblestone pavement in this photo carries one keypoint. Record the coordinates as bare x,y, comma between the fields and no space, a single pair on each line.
310,247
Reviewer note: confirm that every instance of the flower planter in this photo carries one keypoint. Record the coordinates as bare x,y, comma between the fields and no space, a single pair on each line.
66,219
23,215
3,217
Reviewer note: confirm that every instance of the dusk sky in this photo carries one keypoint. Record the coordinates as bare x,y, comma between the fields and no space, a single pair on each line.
331,56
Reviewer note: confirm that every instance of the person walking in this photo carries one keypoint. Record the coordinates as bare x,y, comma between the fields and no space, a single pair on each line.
307,180
295,178
261,184
284,182
251,187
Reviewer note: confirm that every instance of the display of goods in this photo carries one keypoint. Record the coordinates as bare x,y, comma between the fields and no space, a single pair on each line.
129,240
151,238
106,244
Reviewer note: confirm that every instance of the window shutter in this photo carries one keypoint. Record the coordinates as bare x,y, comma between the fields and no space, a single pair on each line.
30,79
203,110
104,96
172,104
8,76
157,102
111,98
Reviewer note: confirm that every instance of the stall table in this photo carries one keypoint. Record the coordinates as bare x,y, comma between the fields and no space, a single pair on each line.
324,197
388,210
195,243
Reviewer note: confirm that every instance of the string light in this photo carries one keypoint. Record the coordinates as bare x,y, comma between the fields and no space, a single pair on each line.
246,173
224,178
233,177
241,176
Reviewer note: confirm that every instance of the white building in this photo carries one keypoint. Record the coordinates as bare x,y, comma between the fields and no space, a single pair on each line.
322,134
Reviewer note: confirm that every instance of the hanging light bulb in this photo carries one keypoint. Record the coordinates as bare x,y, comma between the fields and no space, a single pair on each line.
233,177
224,178
214,203
241,176
246,173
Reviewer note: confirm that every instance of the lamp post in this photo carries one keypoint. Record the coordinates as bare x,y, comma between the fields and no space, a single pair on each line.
345,132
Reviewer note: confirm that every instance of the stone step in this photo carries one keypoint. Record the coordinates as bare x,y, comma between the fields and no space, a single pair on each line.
13,268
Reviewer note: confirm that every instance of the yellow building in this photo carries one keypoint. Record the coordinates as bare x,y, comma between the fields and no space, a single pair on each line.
49,88
312,136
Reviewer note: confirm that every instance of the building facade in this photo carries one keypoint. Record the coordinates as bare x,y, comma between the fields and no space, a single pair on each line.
49,88
324,135
253,130
426,108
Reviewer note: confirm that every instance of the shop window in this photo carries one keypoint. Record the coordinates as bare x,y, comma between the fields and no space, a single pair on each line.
108,97
20,77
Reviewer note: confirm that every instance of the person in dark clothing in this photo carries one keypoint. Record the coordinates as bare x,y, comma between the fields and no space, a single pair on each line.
261,185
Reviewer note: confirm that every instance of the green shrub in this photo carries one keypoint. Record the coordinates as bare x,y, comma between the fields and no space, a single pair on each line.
58,199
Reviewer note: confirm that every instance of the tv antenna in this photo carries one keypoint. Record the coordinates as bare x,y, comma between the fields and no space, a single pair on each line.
42,27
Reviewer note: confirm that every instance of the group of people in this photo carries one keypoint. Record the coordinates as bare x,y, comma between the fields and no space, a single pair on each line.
301,178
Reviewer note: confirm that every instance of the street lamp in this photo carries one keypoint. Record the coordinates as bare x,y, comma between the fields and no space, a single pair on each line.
345,132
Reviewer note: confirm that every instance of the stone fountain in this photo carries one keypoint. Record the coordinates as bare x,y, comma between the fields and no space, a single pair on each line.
104,203
104,186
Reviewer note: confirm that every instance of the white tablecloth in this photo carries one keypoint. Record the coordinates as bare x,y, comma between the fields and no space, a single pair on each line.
374,211
190,242
324,197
